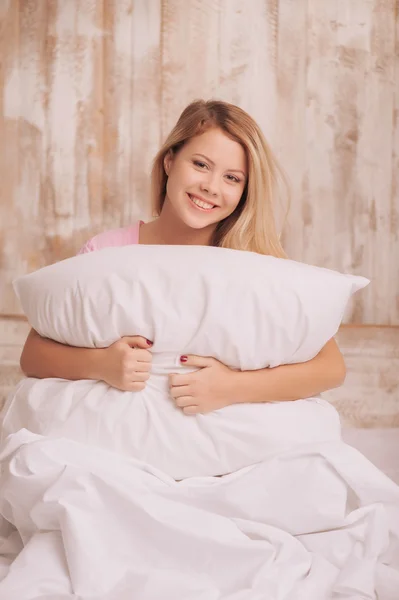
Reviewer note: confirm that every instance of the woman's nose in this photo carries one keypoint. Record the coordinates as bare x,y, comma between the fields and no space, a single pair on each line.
210,186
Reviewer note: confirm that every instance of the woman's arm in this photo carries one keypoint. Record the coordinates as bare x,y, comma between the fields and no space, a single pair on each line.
44,358
124,365
292,382
214,385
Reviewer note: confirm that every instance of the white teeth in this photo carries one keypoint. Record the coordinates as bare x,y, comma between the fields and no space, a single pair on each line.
201,204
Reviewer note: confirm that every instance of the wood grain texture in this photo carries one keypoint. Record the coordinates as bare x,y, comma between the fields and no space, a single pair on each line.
146,106
344,215
290,142
190,55
74,83
248,57
11,255
118,67
74,131
13,332
370,394
89,89
393,300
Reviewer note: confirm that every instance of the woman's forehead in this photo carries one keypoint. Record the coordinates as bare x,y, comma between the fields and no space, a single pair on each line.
217,147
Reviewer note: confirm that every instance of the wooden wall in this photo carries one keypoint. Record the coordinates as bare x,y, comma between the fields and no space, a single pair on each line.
89,89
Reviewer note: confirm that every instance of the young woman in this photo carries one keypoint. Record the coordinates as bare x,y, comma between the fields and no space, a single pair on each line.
214,182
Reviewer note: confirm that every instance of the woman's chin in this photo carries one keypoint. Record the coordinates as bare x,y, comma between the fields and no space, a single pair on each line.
198,224
198,220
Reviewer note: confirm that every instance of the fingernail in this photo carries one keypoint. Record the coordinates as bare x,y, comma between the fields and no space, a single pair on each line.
149,342
183,358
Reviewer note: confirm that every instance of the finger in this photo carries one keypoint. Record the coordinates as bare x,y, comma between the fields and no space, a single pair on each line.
139,376
181,390
142,367
191,410
177,379
184,401
137,341
142,355
190,360
129,381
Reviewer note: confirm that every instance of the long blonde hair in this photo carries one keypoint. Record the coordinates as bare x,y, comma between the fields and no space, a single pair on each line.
252,225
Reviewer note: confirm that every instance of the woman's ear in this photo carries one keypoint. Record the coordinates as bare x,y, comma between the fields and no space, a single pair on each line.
167,161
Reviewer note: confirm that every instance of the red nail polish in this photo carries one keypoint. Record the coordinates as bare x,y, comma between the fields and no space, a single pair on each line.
183,358
149,343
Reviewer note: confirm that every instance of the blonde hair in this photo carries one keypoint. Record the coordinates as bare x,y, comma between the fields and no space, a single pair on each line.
252,225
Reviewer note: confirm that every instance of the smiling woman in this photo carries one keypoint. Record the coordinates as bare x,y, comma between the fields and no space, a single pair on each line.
214,183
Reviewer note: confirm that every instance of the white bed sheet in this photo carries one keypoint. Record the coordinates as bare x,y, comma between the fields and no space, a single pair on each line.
312,523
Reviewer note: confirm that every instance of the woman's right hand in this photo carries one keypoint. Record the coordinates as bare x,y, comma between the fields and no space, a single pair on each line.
126,364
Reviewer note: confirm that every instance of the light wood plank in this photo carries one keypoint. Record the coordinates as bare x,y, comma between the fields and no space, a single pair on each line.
13,332
9,377
318,202
370,394
349,122
63,99
118,64
371,204
146,100
393,297
74,158
351,220
58,137
89,150
190,56
248,40
291,135
10,101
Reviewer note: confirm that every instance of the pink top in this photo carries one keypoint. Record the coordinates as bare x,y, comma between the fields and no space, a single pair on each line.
115,237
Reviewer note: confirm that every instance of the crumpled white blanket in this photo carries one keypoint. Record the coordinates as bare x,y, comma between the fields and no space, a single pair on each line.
311,523
148,426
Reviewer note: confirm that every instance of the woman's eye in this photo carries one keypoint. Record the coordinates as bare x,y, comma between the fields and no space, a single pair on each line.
233,178
202,165
199,164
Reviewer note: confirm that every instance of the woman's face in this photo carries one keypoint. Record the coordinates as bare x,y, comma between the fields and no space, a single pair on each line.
206,179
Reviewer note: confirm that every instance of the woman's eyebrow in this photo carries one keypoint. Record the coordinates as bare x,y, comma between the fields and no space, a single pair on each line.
212,163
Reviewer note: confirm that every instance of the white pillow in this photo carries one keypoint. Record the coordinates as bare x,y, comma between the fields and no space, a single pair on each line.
247,310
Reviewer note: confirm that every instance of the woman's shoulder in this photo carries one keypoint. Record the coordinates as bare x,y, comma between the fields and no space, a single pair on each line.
123,236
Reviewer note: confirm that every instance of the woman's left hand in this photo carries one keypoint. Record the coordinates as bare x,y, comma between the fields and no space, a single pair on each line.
205,390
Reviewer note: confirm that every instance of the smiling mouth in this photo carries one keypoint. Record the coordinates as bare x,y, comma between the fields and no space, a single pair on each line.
201,204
